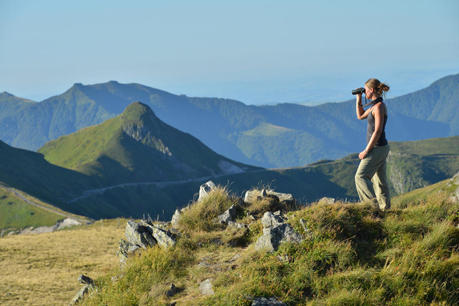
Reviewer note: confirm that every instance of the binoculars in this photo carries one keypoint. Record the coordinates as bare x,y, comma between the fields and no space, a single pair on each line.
357,91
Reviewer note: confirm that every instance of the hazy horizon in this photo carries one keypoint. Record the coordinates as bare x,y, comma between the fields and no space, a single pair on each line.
257,52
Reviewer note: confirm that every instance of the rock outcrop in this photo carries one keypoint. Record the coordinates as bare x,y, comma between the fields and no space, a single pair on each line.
205,189
88,286
145,234
276,232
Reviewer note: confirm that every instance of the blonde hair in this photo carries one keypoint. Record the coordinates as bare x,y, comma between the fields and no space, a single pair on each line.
380,88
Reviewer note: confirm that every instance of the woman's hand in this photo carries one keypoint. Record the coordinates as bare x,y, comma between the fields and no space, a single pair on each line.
363,154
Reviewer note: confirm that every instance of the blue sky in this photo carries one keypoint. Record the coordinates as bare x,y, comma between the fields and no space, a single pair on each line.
253,51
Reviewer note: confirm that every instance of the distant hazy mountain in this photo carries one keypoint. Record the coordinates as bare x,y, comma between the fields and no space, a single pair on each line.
282,135
137,147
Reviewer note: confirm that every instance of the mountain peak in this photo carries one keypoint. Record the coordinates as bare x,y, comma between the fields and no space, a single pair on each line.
138,112
5,93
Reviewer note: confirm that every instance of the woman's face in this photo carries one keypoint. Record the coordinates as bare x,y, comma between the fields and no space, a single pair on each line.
369,92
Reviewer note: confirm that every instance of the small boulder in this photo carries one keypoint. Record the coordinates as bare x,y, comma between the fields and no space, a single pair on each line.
163,238
126,248
270,220
229,215
79,296
206,287
205,189
237,225
88,285
175,222
276,232
139,235
327,200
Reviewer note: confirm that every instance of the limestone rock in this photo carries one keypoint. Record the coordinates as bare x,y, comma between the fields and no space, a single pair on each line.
139,235
88,285
77,298
270,220
163,238
126,248
237,225
205,189
275,232
206,287
229,215
327,200
253,195
176,219
262,301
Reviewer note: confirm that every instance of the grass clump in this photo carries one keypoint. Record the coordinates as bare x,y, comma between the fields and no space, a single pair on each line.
201,215
349,256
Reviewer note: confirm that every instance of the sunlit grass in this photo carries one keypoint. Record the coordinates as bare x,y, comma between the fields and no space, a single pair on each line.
43,269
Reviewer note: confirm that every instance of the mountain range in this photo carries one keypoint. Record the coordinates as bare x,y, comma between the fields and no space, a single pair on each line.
282,135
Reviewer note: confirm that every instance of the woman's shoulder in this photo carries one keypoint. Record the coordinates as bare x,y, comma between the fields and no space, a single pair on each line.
379,107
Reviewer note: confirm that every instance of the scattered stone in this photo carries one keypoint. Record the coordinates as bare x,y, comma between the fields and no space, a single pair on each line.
205,189
267,302
229,215
251,196
88,285
270,220
139,235
237,225
275,232
206,287
283,197
327,200
126,248
163,238
77,298
175,222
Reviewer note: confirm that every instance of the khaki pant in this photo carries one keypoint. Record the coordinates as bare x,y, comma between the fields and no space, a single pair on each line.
371,178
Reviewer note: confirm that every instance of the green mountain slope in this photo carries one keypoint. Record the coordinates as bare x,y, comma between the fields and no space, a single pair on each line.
136,147
21,210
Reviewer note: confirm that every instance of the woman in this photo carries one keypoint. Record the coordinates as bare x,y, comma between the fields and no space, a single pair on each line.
371,178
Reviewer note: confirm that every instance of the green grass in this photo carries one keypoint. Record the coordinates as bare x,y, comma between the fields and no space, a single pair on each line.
15,213
349,257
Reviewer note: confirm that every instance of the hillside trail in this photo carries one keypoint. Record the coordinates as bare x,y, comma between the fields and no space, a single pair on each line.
163,184
41,206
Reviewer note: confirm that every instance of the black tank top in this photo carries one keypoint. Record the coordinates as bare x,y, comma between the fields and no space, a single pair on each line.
382,141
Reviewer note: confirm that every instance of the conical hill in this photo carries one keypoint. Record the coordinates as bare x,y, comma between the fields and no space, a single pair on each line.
136,146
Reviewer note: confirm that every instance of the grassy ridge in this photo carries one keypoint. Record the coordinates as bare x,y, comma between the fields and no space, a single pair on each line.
16,213
348,257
